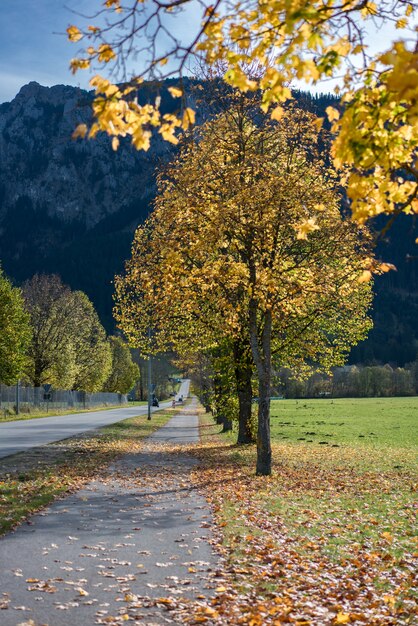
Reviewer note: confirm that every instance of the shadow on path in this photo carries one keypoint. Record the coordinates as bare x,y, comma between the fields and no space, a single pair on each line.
111,549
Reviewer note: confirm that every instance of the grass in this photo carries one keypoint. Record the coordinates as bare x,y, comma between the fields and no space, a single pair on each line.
336,517
31,480
12,417
371,422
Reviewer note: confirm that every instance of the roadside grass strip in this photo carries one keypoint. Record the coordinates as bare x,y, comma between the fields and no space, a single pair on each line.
11,416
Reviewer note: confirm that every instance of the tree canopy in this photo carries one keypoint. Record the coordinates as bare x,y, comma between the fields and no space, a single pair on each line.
304,40
125,372
247,240
68,347
15,332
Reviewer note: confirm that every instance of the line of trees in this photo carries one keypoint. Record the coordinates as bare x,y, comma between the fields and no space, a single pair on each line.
51,334
352,381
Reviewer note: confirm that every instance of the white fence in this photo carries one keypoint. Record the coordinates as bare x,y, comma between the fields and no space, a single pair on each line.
39,398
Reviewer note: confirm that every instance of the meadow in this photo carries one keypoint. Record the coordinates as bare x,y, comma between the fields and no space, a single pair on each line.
330,537
373,422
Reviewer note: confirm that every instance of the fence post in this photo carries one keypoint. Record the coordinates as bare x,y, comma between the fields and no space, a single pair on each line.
18,397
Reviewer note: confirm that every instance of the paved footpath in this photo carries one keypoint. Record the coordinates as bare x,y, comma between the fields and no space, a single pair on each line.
110,549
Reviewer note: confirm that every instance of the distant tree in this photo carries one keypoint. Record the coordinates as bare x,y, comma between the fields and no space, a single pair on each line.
161,371
68,347
15,332
92,351
413,368
402,382
124,372
47,301
63,370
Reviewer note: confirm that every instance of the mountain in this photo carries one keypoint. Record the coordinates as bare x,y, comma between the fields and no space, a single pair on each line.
71,207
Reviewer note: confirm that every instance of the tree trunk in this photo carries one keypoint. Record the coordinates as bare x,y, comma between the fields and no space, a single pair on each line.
243,374
260,336
245,434
227,425
37,374
263,434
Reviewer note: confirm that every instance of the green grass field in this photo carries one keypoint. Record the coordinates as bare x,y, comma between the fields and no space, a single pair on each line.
355,421
338,513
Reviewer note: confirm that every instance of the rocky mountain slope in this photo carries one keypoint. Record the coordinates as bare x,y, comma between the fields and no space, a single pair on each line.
68,206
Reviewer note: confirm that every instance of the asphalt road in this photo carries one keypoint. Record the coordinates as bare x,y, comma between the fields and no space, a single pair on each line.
111,551
22,435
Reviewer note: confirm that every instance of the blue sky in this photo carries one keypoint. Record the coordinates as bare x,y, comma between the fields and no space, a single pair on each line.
33,44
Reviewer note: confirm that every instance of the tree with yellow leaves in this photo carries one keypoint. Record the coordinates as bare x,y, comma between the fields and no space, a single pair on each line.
180,316
307,40
247,241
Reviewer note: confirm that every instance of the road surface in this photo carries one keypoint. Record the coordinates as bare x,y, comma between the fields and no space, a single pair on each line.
114,549
22,435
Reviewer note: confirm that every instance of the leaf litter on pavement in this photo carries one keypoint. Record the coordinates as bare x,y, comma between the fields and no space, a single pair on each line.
325,541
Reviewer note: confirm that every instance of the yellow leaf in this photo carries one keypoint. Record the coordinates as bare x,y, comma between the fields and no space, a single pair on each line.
306,227
318,123
115,143
387,267
342,618
175,92
74,33
80,131
106,53
277,113
402,23
332,114
210,611
82,592
79,64
167,133
188,118
365,276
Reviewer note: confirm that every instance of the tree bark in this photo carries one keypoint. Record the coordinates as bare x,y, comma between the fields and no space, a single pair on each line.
243,374
37,374
227,425
260,336
263,435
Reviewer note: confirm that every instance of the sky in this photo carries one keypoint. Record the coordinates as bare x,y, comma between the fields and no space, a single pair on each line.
34,47
33,44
